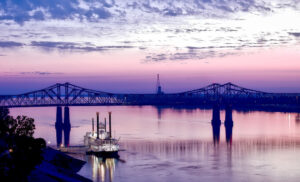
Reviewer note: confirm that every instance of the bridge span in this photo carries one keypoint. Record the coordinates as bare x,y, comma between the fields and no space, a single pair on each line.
214,96
68,94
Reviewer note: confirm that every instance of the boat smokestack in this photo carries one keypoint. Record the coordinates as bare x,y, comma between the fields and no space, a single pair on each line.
109,120
97,113
105,124
93,127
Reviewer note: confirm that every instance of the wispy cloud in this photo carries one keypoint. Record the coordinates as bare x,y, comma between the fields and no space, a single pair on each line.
47,45
40,73
31,73
10,44
190,54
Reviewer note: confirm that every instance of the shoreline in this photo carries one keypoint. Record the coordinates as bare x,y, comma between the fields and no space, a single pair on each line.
57,166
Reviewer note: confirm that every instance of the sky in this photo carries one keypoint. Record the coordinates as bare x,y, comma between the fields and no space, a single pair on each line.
120,45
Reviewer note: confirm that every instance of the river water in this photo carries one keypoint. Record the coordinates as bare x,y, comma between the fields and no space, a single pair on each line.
171,144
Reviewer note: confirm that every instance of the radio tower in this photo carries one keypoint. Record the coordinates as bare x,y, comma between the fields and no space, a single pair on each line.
158,87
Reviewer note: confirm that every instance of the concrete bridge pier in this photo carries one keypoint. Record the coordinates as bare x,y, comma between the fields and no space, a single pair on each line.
228,124
67,126
216,123
216,115
58,126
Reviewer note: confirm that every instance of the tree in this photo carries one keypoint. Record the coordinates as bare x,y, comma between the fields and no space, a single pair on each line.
23,126
4,112
5,121
19,126
19,151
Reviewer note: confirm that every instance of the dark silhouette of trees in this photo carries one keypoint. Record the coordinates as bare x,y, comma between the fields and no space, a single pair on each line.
4,112
23,126
19,151
19,126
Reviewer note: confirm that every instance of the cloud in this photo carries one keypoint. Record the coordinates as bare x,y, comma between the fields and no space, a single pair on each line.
71,46
41,73
32,73
157,57
159,29
25,10
10,44
207,8
191,54
296,34
92,10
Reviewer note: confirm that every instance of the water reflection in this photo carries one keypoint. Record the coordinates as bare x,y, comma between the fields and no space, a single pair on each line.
228,124
216,132
159,112
264,146
228,133
103,169
183,148
216,124
175,160
297,118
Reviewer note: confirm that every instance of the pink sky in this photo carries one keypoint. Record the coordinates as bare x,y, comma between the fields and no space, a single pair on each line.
276,70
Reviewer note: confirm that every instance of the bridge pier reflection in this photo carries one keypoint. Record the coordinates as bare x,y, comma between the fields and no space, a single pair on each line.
62,127
228,124
216,123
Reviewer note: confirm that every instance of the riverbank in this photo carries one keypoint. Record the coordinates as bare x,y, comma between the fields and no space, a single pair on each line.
57,166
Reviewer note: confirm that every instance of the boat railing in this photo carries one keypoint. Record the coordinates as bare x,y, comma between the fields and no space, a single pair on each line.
107,141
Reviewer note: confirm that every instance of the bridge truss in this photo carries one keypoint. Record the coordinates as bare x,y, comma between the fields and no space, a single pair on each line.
68,94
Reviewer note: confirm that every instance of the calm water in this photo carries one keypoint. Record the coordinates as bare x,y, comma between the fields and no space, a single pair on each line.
165,144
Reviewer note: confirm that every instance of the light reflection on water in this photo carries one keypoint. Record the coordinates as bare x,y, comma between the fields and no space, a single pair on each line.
103,169
166,144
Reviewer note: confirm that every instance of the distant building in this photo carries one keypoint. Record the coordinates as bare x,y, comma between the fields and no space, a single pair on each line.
158,86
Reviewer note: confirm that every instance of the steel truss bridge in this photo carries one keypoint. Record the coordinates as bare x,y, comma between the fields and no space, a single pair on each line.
67,94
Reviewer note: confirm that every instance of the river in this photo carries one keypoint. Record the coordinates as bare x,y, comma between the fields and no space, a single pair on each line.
179,144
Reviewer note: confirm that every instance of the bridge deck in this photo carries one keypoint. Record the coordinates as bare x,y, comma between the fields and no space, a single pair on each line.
69,94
